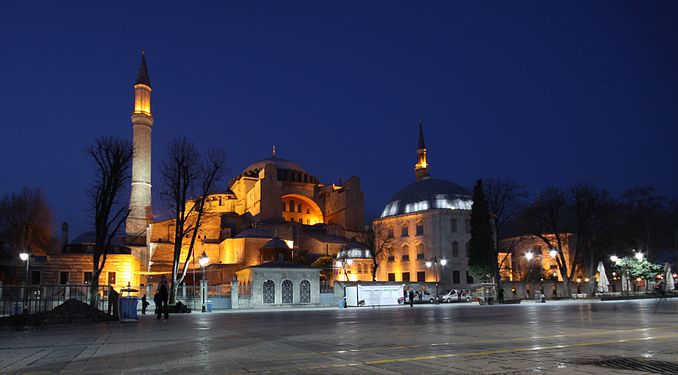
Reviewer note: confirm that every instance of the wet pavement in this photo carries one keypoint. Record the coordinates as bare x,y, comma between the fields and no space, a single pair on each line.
557,337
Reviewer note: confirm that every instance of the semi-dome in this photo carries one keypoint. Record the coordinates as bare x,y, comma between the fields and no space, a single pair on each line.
428,194
277,162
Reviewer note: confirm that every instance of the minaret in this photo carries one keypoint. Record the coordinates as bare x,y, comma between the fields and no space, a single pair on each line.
421,168
140,214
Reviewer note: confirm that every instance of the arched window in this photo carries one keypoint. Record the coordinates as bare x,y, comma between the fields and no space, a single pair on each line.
305,291
453,225
269,291
420,251
287,291
420,228
406,252
455,249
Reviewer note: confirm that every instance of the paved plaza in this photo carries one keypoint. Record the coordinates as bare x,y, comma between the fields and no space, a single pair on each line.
557,337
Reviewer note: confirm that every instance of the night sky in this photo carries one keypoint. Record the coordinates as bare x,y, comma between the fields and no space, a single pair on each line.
549,93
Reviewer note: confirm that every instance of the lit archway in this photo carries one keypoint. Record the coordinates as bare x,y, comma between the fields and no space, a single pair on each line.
301,209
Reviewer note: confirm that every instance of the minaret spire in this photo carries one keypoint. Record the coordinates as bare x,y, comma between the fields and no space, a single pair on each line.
142,75
421,168
140,214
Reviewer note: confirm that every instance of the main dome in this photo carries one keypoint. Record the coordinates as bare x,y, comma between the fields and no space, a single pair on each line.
278,163
428,194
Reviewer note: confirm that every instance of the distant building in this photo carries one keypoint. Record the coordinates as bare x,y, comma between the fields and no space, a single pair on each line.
514,262
426,221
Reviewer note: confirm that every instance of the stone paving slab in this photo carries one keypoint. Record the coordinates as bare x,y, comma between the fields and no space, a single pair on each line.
559,338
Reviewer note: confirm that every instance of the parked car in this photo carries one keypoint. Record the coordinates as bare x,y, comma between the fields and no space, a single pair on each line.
456,295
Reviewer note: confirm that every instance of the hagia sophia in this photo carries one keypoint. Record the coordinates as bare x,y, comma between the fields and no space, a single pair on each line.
274,210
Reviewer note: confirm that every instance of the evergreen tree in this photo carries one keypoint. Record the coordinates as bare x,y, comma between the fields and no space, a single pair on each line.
482,261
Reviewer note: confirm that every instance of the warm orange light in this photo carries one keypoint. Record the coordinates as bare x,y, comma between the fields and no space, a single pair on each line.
142,99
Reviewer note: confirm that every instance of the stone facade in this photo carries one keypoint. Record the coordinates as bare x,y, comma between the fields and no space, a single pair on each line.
74,269
410,240
278,284
271,198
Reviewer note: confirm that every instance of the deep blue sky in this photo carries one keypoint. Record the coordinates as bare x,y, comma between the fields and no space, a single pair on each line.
549,93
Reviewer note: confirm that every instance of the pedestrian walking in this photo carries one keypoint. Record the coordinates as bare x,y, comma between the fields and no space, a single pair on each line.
144,305
500,296
411,298
163,296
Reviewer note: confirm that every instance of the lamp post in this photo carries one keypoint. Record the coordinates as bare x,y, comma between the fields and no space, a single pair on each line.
204,260
434,263
25,257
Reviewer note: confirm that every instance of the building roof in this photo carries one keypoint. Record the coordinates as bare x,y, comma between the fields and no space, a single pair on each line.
275,161
276,243
283,265
142,75
255,233
428,194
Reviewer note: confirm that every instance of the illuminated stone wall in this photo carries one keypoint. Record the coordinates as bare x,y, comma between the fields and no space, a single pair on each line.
520,266
439,239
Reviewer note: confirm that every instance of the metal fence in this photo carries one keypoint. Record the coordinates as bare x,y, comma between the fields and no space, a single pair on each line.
17,299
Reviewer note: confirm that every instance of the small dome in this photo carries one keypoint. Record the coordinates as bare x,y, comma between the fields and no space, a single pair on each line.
428,194
278,163
354,250
276,243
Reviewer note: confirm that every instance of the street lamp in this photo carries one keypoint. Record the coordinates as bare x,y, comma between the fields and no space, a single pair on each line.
639,255
203,261
553,253
25,257
434,263
614,259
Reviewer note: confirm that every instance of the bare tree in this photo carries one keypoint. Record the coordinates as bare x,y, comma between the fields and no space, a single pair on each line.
25,222
643,218
188,178
505,199
593,212
112,159
547,219
379,242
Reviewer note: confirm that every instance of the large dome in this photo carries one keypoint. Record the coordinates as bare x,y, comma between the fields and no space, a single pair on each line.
278,163
428,194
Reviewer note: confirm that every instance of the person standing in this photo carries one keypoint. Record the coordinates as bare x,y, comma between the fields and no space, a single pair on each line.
163,296
411,298
500,296
144,305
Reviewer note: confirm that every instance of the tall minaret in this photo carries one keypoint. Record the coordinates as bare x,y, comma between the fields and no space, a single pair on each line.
421,168
140,214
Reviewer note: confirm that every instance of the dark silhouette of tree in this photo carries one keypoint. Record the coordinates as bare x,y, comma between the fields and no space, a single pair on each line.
644,223
380,246
593,214
188,178
482,258
25,224
505,200
547,218
112,160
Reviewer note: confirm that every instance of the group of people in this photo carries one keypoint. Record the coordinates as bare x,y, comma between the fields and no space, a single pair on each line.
160,298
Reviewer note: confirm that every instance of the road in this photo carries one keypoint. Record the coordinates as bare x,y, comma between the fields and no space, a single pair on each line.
557,337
